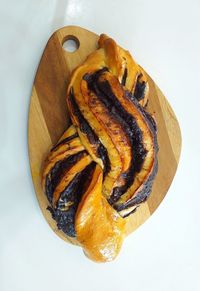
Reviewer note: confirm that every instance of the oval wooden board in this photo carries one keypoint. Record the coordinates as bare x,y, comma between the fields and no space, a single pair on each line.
48,119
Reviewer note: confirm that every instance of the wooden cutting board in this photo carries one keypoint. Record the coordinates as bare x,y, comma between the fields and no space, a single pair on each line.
48,119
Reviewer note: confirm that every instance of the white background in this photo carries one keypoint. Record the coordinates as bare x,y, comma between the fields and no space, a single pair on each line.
163,254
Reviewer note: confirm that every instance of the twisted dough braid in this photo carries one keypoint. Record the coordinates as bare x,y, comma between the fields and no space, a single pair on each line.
103,167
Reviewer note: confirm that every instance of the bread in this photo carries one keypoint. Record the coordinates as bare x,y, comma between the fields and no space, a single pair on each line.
104,165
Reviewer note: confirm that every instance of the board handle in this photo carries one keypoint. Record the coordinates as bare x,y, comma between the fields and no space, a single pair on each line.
78,41
70,43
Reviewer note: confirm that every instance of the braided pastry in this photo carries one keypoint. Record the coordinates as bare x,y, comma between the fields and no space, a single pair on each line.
104,165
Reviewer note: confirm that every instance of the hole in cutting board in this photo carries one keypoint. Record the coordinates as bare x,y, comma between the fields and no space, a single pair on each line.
71,44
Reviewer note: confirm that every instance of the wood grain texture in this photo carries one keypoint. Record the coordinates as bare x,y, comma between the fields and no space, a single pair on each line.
48,119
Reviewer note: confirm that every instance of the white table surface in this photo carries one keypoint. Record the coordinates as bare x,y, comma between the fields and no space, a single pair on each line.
163,254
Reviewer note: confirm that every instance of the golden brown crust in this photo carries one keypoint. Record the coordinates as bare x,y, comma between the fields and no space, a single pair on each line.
103,167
